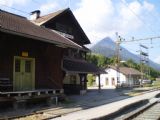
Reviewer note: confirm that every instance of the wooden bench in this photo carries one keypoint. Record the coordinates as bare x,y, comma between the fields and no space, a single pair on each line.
19,97
5,84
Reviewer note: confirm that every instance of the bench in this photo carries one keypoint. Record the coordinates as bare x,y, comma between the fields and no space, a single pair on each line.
5,84
22,97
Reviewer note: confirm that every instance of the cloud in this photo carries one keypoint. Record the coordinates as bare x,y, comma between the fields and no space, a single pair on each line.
157,60
20,2
4,2
10,3
93,14
104,18
48,7
148,6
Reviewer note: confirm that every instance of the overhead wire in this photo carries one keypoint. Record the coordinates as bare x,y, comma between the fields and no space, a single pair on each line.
148,26
144,22
153,16
151,38
35,1
24,12
142,39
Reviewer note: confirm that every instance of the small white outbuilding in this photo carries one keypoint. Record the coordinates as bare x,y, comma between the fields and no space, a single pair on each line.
124,77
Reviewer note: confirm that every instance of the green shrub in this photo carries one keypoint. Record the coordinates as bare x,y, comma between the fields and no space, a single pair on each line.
91,79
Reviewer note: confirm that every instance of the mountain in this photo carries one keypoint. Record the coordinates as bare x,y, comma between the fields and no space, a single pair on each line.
107,48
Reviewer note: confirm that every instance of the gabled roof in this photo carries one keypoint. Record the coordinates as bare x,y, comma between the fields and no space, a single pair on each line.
46,18
17,25
126,70
43,19
80,66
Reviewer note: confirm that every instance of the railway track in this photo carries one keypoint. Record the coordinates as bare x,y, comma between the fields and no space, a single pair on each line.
151,112
41,114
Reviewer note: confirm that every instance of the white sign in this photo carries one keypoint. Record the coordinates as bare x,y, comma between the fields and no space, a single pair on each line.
66,35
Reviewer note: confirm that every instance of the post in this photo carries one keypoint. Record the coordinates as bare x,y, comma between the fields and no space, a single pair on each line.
51,99
144,59
99,83
118,58
81,84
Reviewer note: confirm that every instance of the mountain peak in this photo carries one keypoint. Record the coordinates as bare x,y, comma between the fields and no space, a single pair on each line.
106,41
107,48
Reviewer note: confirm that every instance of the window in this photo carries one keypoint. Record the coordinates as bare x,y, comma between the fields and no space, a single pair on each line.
113,81
73,79
27,66
17,65
107,82
63,28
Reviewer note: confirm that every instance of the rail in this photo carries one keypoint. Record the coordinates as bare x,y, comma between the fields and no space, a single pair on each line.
151,111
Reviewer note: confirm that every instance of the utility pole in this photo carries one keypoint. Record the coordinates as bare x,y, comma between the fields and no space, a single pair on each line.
144,56
118,58
144,61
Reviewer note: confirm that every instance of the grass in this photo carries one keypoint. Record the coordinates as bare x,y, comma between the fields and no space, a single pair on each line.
68,102
155,85
134,93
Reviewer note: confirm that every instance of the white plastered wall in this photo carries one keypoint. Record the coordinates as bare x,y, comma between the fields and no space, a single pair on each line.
112,74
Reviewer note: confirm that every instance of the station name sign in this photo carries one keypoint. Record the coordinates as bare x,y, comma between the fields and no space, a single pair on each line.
65,35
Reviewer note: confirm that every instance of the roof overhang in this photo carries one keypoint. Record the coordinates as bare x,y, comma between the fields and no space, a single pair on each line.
80,66
58,44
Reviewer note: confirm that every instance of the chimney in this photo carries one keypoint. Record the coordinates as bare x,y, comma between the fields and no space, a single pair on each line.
35,14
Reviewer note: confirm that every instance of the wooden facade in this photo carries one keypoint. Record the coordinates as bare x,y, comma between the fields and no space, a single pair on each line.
65,24
35,58
48,60
75,75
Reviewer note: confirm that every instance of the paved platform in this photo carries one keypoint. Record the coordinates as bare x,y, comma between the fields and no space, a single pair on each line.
105,109
95,98
74,103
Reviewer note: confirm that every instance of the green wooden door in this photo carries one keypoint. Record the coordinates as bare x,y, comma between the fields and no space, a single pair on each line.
24,74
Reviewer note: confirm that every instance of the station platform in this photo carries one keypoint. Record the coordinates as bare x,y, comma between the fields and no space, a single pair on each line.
103,110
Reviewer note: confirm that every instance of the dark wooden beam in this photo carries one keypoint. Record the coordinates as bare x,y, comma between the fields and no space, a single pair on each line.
99,83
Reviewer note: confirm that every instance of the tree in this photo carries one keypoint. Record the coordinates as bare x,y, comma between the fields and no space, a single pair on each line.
102,61
91,79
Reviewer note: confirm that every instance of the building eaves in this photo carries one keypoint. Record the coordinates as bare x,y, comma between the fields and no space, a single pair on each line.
17,25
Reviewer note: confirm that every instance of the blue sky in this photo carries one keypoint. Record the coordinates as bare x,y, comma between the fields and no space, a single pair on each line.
102,18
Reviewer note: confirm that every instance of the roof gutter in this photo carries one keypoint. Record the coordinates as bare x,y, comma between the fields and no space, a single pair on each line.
62,45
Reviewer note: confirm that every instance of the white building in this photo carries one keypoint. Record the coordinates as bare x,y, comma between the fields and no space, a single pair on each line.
128,77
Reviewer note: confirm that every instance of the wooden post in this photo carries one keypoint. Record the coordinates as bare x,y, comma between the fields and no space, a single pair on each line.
99,83
19,104
80,76
51,99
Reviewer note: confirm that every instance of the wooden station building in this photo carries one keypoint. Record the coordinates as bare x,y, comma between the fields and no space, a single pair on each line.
75,66
42,56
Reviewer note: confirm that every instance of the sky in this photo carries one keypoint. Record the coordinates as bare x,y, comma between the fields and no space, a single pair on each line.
104,18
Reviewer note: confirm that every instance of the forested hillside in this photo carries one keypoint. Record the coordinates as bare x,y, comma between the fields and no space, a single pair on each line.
107,48
103,62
